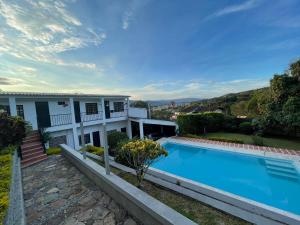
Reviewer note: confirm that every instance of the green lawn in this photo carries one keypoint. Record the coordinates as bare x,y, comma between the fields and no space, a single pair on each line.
268,141
192,209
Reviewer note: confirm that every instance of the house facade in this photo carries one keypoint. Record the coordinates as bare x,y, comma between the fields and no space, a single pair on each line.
62,114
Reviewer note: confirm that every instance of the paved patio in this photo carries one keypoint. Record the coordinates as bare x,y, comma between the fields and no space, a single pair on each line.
55,192
244,146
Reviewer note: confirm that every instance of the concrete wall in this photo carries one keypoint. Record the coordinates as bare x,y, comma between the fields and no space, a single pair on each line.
139,204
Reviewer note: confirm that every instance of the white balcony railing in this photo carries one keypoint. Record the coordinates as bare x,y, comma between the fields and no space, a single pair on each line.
137,113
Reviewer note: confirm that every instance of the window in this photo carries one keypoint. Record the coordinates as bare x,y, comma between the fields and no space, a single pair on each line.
123,129
91,108
87,139
20,111
119,106
61,103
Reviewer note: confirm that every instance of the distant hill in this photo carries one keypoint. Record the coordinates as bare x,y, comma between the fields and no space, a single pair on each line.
223,103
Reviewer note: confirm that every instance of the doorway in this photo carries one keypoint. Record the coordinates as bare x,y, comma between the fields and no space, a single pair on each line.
42,114
107,109
96,138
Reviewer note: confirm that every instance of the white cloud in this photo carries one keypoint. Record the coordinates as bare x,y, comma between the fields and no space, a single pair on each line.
247,5
40,30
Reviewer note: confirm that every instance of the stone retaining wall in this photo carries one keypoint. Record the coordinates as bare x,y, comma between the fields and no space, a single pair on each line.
16,212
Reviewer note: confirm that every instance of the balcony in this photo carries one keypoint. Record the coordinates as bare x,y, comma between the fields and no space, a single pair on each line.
91,117
60,119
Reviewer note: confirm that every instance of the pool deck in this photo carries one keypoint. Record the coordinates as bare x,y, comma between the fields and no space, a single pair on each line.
241,146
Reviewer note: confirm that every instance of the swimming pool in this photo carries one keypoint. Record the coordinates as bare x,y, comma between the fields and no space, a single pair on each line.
270,181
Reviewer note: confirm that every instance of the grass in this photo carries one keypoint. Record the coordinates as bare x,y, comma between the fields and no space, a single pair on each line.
192,209
247,139
5,179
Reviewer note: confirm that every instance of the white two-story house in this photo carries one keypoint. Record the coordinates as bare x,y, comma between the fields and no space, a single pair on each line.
61,114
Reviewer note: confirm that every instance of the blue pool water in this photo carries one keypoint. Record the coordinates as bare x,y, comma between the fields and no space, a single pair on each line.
270,181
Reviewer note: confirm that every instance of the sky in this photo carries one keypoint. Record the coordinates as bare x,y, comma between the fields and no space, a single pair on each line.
148,49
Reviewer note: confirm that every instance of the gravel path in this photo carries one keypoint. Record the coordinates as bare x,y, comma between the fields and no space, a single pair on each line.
55,192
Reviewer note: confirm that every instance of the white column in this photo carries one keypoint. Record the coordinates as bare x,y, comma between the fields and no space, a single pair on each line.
106,155
103,109
12,106
75,135
129,130
141,129
128,106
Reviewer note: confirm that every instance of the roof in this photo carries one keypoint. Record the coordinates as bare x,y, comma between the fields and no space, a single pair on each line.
44,94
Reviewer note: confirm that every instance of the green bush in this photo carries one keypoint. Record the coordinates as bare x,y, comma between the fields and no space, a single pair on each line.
200,122
12,130
257,140
5,179
53,151
93,149
115,138
246,128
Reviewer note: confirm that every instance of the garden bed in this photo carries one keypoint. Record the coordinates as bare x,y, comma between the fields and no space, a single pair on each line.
5,180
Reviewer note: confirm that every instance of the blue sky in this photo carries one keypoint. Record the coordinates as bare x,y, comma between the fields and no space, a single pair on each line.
148,49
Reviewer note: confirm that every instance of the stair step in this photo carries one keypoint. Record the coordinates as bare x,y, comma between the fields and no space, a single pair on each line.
33,145
283,170
28,139
32,155
277,163
32,150
33,162
285,175
35,158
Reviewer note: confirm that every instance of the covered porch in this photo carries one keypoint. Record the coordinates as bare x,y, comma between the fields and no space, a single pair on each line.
151,128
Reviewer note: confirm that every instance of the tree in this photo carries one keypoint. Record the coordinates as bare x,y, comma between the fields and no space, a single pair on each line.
139,104
291,113
140,154
295,69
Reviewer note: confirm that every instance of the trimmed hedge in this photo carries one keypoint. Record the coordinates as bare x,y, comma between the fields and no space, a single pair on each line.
200,123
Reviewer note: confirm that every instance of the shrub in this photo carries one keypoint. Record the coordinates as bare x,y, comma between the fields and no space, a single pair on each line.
140,154
246,128
257,140
93,149
53,151
5,179
46,136
12,130
115,138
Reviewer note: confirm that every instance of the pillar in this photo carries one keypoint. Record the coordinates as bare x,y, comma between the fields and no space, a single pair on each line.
12,106
129,130
141,129
74,128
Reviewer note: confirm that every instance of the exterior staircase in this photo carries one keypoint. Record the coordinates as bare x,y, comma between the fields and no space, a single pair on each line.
32,149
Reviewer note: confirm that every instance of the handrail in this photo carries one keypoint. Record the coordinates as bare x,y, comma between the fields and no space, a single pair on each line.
91,117
60,119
